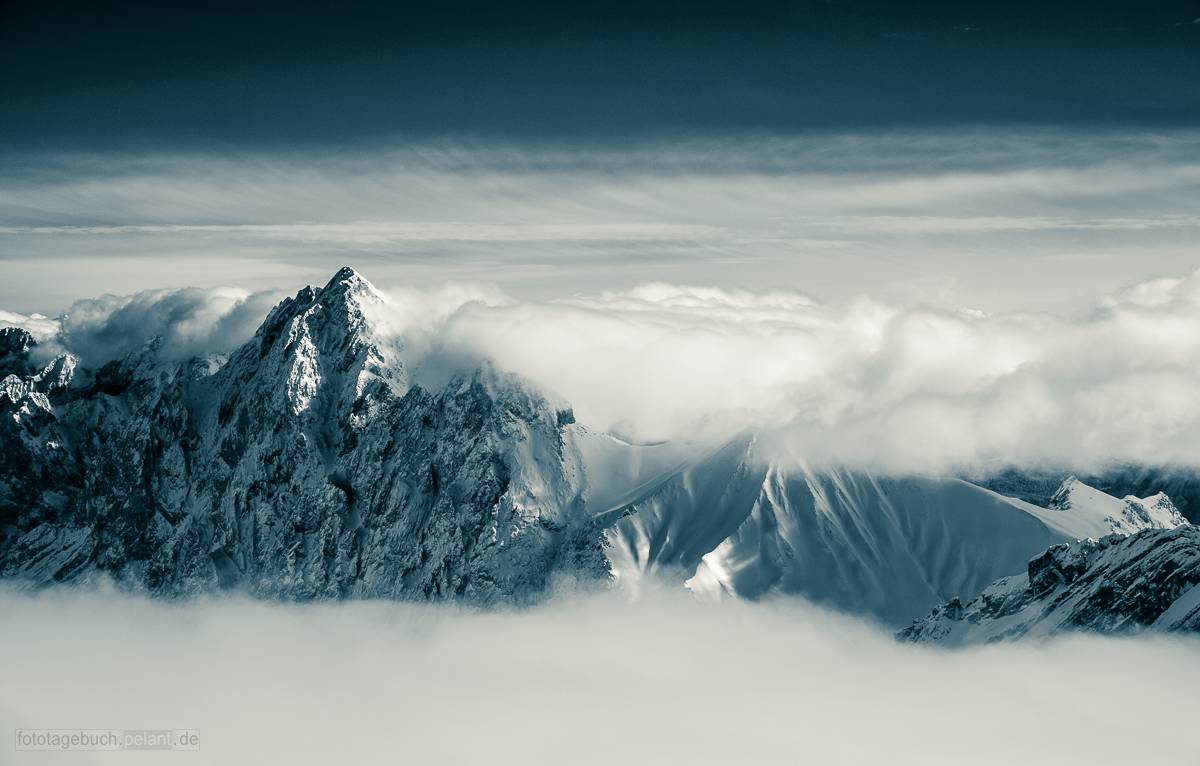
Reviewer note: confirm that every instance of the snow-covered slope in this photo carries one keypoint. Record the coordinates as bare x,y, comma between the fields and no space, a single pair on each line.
739,523
618,472
1180,483
1084,511
1146,581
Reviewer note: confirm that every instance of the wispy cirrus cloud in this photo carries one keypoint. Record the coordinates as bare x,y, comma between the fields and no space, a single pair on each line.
388,232
996,218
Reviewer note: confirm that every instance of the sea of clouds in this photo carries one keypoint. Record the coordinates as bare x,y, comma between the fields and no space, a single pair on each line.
584,679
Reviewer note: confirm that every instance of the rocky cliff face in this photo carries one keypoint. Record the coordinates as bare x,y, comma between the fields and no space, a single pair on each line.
1146,581
302,466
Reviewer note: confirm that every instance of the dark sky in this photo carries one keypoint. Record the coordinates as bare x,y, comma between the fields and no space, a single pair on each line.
102,75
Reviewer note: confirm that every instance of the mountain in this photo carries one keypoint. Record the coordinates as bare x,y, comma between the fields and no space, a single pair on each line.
303,466
741,524
310,463
1181,483
1096,513
1117,584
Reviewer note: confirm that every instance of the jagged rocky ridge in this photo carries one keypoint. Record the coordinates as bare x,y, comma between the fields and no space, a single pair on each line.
309,464
1117,584
304,466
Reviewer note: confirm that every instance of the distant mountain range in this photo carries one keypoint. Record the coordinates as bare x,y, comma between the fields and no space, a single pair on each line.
308,464
1118,584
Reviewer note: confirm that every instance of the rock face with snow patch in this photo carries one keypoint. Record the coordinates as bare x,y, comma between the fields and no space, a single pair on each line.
1146,581
303,466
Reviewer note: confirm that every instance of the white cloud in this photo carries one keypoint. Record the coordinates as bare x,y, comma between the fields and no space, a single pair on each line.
190,321
865,383
41,327
585,680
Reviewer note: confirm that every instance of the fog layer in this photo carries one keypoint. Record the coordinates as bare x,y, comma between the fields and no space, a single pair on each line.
582,680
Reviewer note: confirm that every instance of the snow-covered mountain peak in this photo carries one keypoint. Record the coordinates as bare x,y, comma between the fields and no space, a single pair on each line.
329,335
24,374
27,389
1095,513
58,373
16,352
347,280
347,300
349,294
1061,499
15,340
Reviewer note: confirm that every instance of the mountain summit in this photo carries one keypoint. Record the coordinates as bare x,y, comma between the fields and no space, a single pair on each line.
1105,514
304,466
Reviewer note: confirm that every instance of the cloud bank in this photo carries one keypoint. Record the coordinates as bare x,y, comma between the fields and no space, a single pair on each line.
190,322
865,383
589,680
40,326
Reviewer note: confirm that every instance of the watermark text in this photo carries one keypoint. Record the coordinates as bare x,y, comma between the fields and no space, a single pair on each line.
107,739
